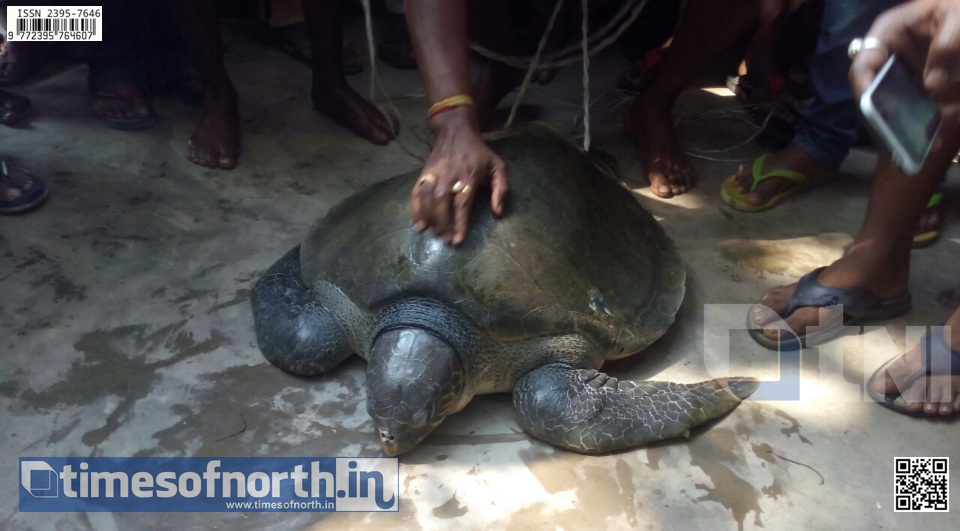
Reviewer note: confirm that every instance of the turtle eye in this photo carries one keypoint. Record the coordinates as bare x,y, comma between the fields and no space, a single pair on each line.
421,416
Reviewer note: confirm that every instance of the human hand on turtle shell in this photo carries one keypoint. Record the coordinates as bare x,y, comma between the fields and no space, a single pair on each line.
926,35
459,163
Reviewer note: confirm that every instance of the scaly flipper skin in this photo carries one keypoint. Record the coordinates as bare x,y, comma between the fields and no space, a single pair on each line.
295,333
588,412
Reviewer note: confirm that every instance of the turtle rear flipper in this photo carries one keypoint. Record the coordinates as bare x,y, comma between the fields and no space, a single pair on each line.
589,412
294,332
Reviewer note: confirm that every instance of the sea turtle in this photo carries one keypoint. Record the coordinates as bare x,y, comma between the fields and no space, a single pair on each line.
573,274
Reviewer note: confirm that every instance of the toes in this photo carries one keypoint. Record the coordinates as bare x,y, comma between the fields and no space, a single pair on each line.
742,180
772,303
202,156
681,179
898,371
942,388
659,185
916,396
229,157
754,199
378,137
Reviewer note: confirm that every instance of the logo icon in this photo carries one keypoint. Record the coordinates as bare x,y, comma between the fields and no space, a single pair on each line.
39,479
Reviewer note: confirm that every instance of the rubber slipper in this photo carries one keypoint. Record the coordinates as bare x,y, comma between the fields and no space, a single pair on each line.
125,124
28,199
738,201
22,75
858,306
13,108
931,343
930,237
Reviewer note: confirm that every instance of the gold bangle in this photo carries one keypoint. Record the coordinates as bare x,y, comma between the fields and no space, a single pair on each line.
460,100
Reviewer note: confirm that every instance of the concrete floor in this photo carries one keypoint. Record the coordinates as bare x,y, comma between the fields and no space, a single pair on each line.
126,329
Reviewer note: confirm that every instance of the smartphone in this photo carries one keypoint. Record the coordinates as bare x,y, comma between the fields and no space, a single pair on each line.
902,115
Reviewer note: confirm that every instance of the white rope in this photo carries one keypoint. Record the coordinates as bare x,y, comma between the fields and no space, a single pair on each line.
371,49
568,56
376,82
533,64
585,43
625,18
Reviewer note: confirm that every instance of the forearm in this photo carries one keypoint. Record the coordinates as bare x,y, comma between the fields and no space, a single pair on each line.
438,29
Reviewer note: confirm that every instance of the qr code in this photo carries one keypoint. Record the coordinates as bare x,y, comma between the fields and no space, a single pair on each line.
921,484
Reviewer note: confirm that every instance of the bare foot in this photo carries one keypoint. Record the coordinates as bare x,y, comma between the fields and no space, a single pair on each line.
933,394
790,158
215,142
120,101
864,267
21,60
340,102
651,125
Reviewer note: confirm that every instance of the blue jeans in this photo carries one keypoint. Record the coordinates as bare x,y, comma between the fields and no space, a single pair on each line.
831,125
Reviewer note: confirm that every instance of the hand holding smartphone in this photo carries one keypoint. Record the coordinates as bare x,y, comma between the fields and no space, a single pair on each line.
902,115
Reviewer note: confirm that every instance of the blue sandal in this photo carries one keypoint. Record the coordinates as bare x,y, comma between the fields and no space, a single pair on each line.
858,307
932,343
29,198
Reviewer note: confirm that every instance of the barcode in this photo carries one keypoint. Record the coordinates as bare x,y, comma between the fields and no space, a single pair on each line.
57,24
54,24
921,484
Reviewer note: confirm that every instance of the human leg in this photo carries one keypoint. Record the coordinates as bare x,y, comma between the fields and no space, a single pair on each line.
331,94
830,127
215,143
878,262
706,27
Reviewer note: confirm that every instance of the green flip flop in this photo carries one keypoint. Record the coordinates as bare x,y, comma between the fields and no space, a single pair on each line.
738,201
930,237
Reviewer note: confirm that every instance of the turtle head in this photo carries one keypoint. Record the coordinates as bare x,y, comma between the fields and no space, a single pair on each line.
414,380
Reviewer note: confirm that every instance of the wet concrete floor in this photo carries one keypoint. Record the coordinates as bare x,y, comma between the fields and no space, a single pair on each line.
126,328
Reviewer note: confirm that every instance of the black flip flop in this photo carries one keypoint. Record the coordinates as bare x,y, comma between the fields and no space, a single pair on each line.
858,307
13,108
931,343
29,199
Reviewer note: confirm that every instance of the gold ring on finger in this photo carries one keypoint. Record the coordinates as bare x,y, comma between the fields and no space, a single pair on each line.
868,43
426,178
459,187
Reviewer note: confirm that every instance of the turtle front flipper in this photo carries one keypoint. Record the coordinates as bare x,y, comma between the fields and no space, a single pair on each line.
295,333
588,412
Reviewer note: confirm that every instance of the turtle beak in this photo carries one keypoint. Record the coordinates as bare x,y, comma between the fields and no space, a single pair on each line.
394,445
388,443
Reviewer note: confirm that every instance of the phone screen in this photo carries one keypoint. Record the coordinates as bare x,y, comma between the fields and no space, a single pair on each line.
907,109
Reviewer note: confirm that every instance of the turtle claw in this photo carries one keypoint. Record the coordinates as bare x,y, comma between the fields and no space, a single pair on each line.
741,388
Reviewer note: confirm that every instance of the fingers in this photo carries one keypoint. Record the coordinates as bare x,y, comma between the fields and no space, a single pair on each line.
501,186
905,32
461,212
443,211
864,70
459,164
422,200
944,55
